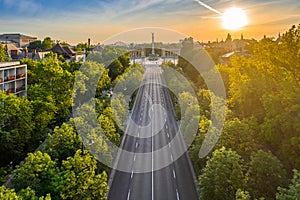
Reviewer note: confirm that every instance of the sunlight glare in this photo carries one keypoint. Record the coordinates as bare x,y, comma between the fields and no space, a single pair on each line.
234,18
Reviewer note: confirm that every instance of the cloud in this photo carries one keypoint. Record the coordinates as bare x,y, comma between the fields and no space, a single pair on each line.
28,6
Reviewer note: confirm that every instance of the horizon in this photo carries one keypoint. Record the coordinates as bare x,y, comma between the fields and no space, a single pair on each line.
76,21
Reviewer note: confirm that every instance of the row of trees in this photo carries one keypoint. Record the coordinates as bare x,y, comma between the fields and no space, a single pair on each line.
258,149
43,123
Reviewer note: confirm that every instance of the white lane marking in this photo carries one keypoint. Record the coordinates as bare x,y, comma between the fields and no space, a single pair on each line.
131,174
128,195
172,158
177,194
174,175
134,157
138,134
152,164
169,145
168,135
136,144
166,126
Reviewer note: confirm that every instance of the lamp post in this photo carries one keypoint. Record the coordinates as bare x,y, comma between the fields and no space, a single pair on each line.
91,142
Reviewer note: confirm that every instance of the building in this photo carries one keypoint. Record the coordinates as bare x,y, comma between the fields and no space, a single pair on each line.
12,50
65,51
18,39
39,55
13,78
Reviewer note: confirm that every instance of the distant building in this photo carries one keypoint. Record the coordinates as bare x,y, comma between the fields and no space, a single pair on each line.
65,51
18,39
40,55
13,78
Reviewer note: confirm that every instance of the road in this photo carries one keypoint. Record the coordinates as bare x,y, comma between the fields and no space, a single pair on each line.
151,174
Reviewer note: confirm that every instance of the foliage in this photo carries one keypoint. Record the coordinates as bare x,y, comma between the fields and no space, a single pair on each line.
79,181
37,172
51,83
63,143
222,176
264,175
48,43
7,194
293,190
242,195
17,127
35,45
3,53
240,136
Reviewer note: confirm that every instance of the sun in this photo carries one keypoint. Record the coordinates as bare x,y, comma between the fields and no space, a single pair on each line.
234,18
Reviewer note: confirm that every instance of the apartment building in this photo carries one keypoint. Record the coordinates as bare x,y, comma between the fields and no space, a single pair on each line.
18,39
13,78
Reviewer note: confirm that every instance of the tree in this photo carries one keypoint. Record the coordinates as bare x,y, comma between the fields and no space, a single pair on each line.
48,43
240,136
222,176
25,194
78,179
35,45
16,129
37,172
55,84
264,175
109,129
293,190
8,194
63,143
115,69
3,53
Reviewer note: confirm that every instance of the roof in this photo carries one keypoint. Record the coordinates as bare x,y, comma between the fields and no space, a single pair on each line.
40,55
69,50
65,51
10,47
16,34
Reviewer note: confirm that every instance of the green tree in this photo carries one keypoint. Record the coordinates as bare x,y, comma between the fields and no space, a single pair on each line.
37,172
240,136
115,69
35,45
62,143
24,194
8,194
16,128
222,176
55,84
3,53
48,43
264,175
293,190
78,179
109,129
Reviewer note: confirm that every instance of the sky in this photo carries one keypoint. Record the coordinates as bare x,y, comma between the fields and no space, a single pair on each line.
75,21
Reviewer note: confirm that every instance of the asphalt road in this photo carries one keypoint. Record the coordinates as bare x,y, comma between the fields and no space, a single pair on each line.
151,174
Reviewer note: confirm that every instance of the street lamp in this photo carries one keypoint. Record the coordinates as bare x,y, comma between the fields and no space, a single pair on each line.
91,142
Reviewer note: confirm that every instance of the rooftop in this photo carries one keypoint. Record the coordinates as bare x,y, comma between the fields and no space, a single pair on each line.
16,34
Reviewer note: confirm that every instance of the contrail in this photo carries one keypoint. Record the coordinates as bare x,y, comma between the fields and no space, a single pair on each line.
208,7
